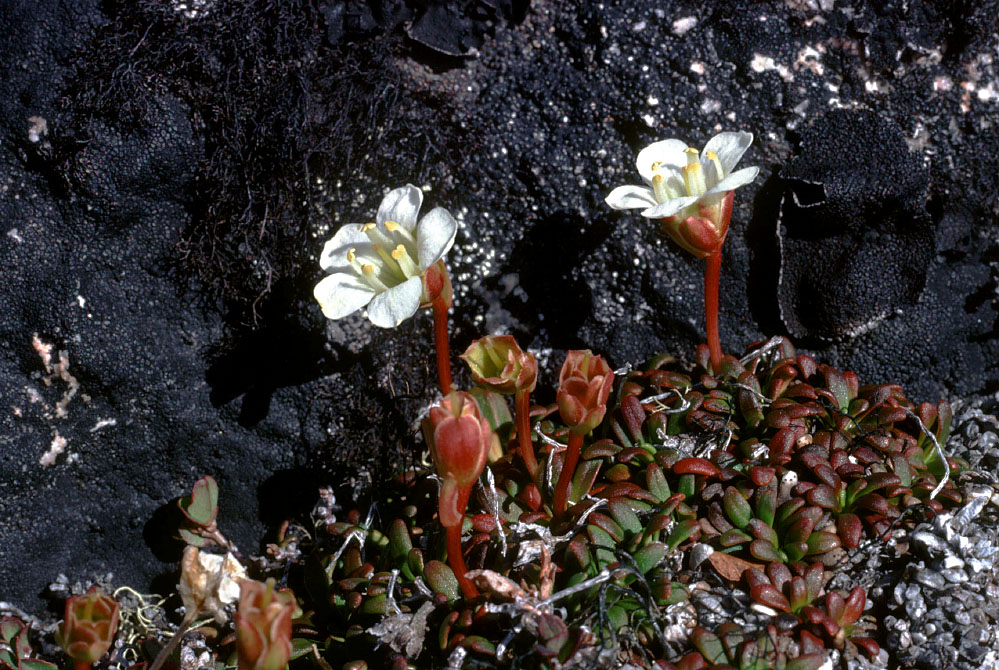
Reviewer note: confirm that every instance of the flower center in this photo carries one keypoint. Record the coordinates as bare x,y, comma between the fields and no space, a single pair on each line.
393,260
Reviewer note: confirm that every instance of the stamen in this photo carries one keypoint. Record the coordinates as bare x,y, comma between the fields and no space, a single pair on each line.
390,263
351,256
719,170
692,155
368,226
495,358
395,227
693,179
659,188
370,275
405,261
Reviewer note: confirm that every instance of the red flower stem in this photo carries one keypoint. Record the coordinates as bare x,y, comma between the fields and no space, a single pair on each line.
523,407
457,561
568,469
441,342
712,276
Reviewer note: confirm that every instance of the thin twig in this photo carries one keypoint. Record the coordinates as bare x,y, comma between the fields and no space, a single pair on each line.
938,449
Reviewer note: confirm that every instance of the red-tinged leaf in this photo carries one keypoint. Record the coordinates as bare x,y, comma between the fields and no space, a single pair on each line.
755,577
608,525
683,531
477,644
814,615
617,473
631,453
787,510
853,607
815,579
798,593
829,477
880,480
552,631
762,531
692,661
530,495
634,416
800,530
807,365
482,523
656,482
782,445
801,390
35,664
768,595
762,475
873,502
737,509
708,644
624,515
821,542
733,538
201,506
810,644
779,575
806,662
766,501
583,478
823,496
764,551
850,530
835,606
628,490
649,556
696,466
600,449
870,647
659,522
580,550
945,415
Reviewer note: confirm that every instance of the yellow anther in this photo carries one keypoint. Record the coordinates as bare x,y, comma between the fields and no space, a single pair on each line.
711,155
391,226
655,165
398,252
351,256
368,226
659,188
692,155
368,269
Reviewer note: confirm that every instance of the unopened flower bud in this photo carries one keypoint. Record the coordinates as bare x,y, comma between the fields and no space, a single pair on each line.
459,441
584,386
263,625
89,627
498,363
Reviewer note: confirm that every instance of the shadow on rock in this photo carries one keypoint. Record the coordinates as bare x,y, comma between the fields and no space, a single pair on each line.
547,259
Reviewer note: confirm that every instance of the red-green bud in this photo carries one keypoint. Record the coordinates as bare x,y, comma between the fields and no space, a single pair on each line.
459,441
584,386
90,624
498,363
263,625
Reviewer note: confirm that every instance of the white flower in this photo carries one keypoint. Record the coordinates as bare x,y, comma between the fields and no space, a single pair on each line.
679,180
382,265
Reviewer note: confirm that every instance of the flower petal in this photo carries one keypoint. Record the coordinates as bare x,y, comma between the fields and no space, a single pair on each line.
670,207
434,236
729,147
667,152
390,308
401,205
335,250
735,180
631,197
341,294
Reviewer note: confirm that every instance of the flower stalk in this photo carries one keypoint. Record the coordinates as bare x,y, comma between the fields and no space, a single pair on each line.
584,387
691,194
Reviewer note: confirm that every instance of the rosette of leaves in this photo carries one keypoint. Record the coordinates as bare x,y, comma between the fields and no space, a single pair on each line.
16,652
731,647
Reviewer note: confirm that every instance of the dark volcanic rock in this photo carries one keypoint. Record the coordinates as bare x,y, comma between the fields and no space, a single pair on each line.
164,228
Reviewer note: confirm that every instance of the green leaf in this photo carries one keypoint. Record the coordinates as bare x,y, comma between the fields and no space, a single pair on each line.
736,508
300,647
201,507
7,660
378,604
441,579
583,478
649,556
657,483
495,410
682,531
35,664
399,540
709,645
624,515
192,538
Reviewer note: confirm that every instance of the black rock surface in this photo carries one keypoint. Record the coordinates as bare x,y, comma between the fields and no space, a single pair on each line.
163,228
